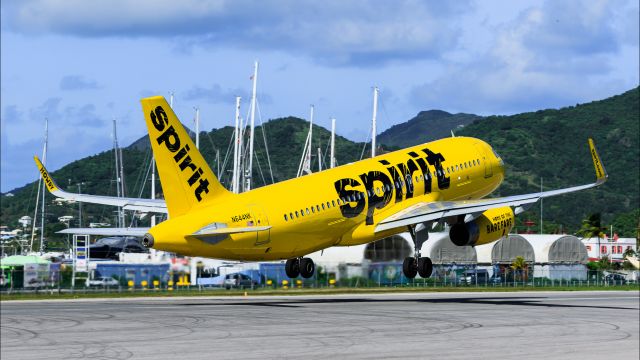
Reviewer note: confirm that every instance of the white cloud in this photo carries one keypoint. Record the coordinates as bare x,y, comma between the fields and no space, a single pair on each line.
552,55
333,32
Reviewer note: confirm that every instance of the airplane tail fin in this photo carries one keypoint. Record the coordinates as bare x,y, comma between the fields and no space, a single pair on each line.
187,180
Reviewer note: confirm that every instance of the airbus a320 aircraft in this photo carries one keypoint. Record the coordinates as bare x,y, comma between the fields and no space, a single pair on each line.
411,189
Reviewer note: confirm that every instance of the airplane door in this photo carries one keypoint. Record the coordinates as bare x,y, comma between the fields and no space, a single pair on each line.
260,219
486,161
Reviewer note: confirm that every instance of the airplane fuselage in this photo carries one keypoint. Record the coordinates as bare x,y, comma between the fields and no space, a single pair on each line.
335,207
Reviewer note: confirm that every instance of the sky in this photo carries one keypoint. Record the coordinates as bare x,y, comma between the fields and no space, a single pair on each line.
80,64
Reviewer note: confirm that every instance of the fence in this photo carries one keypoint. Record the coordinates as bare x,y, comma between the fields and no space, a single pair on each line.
272,276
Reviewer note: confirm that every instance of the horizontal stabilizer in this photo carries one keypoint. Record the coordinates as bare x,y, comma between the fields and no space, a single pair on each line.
106,231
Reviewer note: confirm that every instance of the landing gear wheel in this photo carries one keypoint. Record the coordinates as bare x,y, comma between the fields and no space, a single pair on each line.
307,267
292,268
425,267
410,267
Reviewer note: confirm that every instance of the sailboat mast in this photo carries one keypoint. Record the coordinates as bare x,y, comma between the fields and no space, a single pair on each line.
332,159
197,121
251,133
373,121
117,158
310,149
40,186
44,161
236,147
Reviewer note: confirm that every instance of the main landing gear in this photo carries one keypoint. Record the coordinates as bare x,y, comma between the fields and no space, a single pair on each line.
416,265
300,266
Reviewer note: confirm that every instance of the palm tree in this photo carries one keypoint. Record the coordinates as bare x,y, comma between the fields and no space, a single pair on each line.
591,228
518,265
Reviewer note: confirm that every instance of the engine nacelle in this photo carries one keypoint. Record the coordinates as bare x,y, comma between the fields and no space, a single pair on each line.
487,228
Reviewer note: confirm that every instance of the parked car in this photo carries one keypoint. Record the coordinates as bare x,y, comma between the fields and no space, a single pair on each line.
109,247
103,281
238,280
615,279
477,276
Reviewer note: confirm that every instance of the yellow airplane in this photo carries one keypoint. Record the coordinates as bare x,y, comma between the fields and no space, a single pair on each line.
411,189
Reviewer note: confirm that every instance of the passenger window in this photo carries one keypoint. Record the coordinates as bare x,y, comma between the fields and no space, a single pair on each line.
297,214
334,203
318,208
323,206
312,210
474,162
302,212
291,216
307,211
285,217
478,161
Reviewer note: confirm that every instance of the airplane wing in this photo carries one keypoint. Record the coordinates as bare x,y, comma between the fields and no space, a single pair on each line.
143,205
106,231
432,211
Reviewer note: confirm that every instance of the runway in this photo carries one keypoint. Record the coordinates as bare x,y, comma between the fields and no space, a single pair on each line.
525,325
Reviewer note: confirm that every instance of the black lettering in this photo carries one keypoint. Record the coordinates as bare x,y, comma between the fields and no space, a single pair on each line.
187,163
159,118
196,175
203,186
170,138
396,178
375,201
425,172
177,157
407,173
346,209
436,159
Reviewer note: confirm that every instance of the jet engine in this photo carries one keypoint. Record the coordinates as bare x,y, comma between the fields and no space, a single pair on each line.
486,228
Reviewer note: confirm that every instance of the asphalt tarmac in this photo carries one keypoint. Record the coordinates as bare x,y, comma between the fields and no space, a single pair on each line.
531,325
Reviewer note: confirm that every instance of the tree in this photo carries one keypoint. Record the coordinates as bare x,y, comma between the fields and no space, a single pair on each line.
519,267
591,227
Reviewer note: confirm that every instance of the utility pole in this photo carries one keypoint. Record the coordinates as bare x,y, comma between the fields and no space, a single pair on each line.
541,199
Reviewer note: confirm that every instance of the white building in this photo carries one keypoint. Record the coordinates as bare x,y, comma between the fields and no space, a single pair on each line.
612,248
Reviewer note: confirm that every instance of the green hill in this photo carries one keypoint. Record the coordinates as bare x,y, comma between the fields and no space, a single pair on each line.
552,145
547,144
424,127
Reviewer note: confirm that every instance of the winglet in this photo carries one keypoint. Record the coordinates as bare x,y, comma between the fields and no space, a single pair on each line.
51,186
601,173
